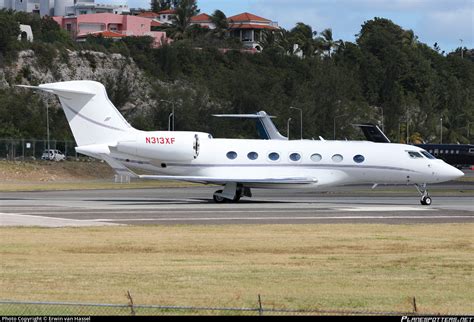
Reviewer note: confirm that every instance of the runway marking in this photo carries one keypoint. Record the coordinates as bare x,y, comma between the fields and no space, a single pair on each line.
29,220
282,218
385,208
227,210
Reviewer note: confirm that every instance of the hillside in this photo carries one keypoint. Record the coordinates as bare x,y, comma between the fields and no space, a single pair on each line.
386,77
45,171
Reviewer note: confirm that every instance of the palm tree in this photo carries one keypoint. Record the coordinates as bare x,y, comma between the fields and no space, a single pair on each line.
219,20
327,43
303,35
181,21
277,39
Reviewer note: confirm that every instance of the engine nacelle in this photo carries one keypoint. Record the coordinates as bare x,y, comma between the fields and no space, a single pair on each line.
162,145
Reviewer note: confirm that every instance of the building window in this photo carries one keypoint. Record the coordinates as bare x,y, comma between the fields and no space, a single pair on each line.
316,157
295,157
252,155
274,156
231,155
337,158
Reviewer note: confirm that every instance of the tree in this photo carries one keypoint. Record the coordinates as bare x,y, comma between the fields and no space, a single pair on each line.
219,20
327,43
9,31
155,5
302,34
159,5
185,10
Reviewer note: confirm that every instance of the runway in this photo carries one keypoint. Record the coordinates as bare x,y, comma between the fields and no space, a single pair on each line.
193,205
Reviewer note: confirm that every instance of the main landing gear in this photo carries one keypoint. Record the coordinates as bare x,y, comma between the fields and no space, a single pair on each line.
232,193
425,197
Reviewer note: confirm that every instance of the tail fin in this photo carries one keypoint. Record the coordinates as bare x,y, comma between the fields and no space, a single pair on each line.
91,115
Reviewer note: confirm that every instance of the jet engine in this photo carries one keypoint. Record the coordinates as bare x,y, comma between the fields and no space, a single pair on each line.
163,146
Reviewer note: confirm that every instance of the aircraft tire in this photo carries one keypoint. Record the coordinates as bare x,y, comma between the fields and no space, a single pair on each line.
218,199
426,200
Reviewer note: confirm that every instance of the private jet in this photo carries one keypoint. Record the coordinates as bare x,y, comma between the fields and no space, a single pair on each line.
238,165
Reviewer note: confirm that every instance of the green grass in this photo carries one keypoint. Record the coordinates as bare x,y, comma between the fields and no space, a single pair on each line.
332,267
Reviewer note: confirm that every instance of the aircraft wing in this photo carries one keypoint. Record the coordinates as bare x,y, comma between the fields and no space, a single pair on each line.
265,127
216,180
122,170
373,133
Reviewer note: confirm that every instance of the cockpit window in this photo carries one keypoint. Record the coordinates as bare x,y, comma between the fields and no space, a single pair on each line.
428,155
414,155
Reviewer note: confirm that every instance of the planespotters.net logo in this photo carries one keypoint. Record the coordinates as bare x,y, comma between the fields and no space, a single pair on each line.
437,319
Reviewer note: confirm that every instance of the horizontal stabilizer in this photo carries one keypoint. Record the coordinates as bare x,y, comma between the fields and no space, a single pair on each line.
119,168
54,90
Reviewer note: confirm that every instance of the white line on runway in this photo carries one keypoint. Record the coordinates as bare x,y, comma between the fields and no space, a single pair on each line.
226,210
282,218
28,220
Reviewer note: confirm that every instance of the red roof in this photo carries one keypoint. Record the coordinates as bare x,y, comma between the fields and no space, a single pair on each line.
105,34
203,17
148,14
168,11
155,23
247,17
250,26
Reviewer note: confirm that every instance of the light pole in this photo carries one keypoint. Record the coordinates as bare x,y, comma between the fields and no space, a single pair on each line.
301,120
288,128
334,128
47,125
461,49
408,135
441,130
171,115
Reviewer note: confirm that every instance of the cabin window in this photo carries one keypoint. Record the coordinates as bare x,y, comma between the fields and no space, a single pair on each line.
452,151
252,155
457,151
337,158
414,155
426,154
295,157
274,156
231,155
471,150
358,158
316,157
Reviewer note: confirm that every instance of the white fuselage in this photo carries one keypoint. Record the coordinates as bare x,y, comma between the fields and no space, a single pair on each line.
330,163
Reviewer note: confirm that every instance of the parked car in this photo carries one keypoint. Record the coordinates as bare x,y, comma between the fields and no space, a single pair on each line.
53,155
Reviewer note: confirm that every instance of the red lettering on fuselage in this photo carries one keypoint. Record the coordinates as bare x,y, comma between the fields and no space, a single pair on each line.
159,140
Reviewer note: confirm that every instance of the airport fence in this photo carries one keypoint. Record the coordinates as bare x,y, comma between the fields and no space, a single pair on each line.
20,308
31,149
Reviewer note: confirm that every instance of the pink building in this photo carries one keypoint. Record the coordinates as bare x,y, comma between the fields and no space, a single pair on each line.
108,23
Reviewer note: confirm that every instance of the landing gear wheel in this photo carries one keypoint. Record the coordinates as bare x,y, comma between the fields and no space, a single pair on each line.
425,200
425,197
218,199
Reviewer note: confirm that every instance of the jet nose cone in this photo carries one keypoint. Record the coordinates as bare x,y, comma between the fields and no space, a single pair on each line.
451,173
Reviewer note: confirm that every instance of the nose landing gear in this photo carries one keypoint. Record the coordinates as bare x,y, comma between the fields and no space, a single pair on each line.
425,197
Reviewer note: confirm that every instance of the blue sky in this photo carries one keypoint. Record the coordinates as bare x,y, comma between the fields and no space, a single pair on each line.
443,21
